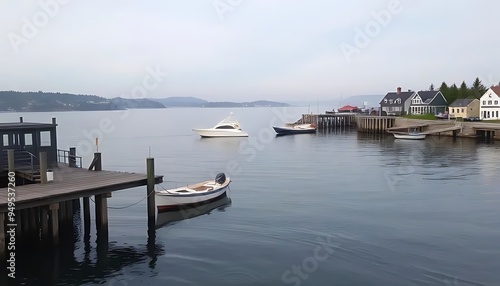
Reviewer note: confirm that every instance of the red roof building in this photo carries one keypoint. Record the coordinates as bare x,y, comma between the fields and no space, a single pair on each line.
348,108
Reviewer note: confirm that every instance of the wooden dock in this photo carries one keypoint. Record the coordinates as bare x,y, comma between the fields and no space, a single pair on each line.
72,183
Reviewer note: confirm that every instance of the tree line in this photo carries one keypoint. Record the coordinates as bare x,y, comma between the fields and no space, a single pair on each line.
452,92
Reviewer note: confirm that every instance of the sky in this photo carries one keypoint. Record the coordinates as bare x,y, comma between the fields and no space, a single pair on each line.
239,50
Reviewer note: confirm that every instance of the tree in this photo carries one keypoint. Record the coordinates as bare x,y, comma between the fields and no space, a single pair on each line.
478,89
445,90
453,93
463,91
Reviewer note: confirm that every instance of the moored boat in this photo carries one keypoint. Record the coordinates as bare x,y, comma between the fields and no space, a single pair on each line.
228,127
410,136
192,195
295,129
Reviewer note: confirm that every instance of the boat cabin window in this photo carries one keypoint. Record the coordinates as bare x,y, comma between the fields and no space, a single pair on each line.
225,127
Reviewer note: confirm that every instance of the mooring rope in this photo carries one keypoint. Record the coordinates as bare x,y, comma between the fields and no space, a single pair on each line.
124,207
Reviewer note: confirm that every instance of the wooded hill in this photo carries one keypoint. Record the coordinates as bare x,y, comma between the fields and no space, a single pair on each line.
50,101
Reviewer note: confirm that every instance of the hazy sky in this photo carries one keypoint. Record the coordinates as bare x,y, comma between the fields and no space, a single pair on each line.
245,49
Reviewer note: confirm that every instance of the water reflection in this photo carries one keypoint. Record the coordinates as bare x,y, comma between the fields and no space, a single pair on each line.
173,217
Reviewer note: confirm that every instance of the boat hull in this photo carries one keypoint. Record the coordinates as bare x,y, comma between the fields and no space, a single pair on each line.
168,202
409,136
207,133
292,131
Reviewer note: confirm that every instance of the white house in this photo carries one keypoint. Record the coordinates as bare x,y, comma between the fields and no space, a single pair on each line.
489,108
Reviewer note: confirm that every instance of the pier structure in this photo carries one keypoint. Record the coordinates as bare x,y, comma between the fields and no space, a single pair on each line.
39,192
375,124
393,124
329,121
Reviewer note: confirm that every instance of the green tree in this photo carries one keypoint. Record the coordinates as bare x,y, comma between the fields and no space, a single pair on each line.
445,90
453,93
478,89
463,91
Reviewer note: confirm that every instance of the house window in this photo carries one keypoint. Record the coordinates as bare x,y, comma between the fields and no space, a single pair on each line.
463,110
490,102
28,139
496,102
488,115
391,101
6,140
497,113
45,138
453,110
484,102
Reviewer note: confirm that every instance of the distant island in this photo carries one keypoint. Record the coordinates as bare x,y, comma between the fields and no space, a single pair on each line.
16,101
50,101
197,102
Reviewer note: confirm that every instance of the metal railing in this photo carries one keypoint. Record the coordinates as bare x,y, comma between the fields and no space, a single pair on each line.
24,162
64,156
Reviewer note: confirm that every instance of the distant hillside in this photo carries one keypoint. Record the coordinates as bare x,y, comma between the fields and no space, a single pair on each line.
181,101
123,103
259,103
197,102
50,101
41,101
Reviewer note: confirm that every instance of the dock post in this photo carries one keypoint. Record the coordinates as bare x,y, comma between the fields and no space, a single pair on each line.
98,162
86,216
101,214
54,222
44,223
72,157
150,166
43,167
69,213
10,160
3,250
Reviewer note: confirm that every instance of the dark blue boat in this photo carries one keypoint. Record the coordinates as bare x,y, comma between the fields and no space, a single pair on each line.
295,129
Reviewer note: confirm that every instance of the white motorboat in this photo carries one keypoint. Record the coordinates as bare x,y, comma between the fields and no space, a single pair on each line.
228,127
192,195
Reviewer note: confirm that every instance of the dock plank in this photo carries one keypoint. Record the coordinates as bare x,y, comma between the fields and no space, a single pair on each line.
71,183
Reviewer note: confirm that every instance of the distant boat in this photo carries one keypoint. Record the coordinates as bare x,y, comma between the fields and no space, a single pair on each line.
192,195
228,127
295,129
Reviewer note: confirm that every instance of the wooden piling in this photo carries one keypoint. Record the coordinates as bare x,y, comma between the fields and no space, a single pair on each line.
44,223
72,157
150,171
86,215
10,160
43,167
54,222
101,214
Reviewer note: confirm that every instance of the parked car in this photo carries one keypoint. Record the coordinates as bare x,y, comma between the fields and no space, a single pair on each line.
472,119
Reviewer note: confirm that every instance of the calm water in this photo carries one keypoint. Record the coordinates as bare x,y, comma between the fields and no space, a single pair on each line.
336,208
